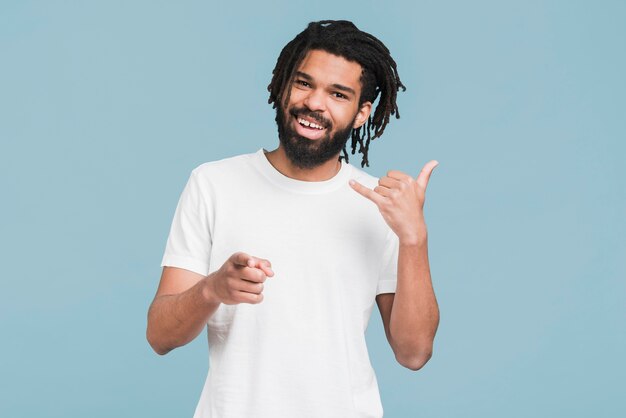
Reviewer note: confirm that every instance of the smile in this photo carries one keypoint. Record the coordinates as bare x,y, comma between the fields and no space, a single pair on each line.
308,128
310,124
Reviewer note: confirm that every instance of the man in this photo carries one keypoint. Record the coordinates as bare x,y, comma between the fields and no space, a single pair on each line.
282,254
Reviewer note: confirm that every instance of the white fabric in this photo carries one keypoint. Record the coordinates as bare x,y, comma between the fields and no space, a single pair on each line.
301,352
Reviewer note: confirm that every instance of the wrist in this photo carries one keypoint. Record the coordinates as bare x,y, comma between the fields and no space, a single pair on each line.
208,290
415,238
419,241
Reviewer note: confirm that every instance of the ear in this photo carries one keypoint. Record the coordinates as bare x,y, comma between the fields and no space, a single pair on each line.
362,115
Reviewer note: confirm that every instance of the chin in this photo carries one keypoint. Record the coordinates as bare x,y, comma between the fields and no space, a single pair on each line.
306,153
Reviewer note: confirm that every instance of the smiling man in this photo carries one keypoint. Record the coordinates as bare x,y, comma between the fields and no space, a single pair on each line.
281,255
321,113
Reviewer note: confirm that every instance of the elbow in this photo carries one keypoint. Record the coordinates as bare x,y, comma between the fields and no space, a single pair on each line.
160,351
154,337
414,353
158,348
415,362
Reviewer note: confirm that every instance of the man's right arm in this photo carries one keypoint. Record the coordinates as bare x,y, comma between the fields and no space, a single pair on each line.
185,300
180,310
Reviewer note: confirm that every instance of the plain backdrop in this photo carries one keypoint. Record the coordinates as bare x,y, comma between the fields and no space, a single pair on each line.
107,106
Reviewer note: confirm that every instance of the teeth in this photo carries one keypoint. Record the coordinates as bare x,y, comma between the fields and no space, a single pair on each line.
309,124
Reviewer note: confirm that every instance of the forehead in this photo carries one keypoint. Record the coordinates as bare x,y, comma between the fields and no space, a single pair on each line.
328,68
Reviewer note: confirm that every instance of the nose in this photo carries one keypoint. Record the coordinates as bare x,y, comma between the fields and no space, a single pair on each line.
315,100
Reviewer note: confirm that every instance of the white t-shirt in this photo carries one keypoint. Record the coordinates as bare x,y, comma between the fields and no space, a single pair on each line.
301,352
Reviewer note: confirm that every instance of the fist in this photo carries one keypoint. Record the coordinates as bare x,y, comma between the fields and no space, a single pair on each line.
240,279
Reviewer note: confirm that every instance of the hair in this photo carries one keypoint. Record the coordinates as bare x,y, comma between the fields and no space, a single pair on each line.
379,74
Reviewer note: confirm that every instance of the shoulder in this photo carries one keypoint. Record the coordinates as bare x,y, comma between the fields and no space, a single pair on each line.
222,166
224,172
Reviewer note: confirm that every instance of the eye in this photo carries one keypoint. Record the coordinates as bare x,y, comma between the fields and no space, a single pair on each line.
340,95
302,83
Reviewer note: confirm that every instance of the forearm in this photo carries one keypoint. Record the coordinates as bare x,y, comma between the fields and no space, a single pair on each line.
415,314
175,320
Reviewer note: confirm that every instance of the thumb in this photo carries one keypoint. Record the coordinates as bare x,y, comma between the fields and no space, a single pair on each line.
242,259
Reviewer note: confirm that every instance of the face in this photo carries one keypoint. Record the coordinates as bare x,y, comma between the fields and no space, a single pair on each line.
323,109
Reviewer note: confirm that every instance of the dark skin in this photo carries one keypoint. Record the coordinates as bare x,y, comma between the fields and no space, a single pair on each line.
411,315
328,85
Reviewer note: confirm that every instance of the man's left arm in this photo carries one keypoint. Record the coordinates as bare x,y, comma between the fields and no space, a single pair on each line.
411,315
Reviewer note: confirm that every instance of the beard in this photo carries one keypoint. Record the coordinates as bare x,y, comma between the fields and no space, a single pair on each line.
306,153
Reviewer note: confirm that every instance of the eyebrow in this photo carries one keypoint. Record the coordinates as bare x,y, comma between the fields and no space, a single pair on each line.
335,85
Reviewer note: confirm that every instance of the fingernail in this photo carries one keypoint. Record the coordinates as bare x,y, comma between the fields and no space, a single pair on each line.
352,182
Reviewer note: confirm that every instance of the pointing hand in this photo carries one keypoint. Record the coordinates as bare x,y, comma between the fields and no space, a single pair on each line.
240,279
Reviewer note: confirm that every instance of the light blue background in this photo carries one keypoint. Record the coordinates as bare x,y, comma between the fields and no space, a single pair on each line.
105,107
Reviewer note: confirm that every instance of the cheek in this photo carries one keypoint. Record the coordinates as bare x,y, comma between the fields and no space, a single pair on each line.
344,116
296,96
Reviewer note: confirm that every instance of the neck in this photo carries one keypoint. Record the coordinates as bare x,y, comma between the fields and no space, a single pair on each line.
278,158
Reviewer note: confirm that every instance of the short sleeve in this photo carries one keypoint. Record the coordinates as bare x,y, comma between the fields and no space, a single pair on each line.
388,275
189,241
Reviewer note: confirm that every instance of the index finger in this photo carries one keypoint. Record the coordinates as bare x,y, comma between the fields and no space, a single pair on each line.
247,260
266,266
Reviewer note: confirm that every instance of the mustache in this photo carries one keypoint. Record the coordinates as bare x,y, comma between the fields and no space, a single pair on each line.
301,111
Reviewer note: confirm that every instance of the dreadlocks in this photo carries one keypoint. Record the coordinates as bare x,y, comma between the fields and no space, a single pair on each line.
379,75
